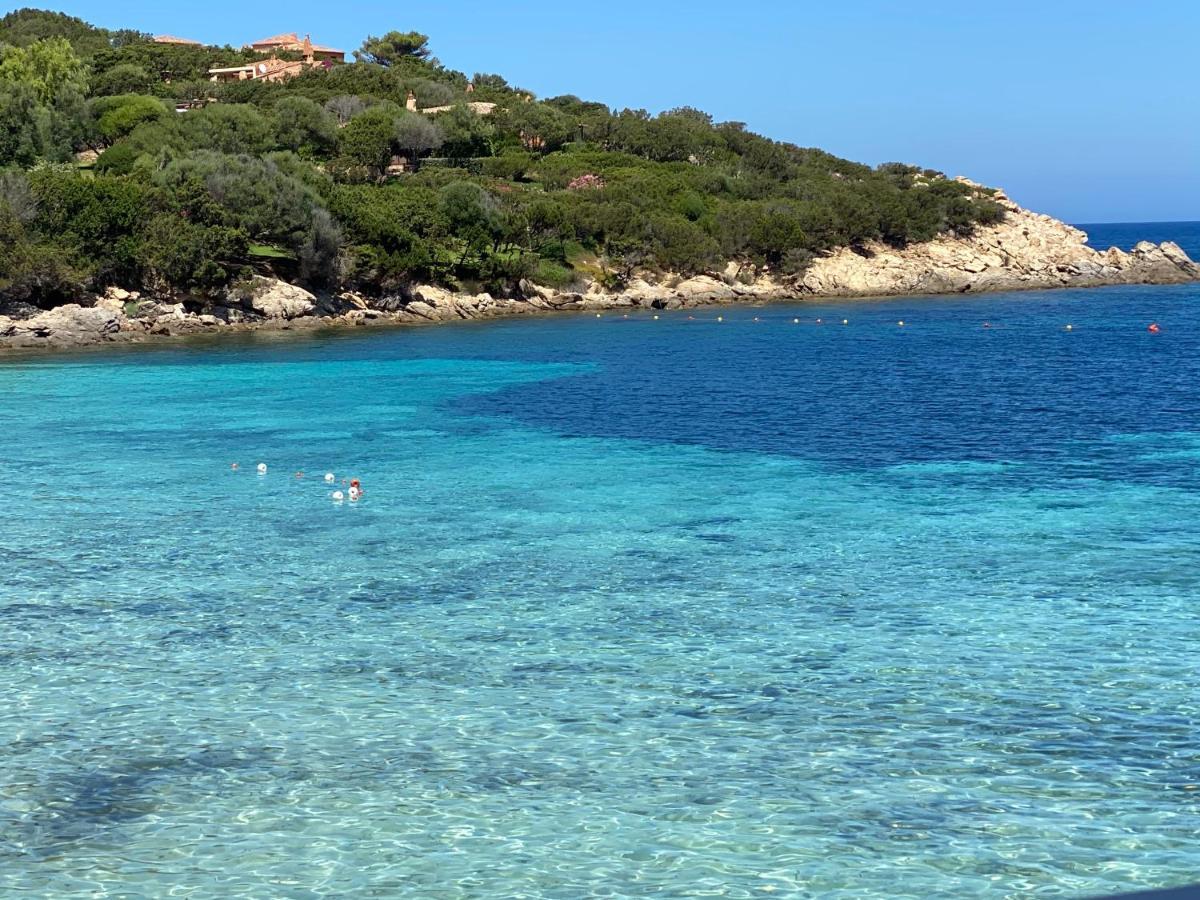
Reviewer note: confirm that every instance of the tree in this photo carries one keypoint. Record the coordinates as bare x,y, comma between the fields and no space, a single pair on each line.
20,137
240,192
368,140
47,66
467,134
319,251
303,126
416,135
344,107
118,116
392,47
178,253
126,78
229,128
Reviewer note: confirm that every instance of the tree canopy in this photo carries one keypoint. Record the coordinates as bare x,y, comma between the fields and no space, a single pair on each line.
393,47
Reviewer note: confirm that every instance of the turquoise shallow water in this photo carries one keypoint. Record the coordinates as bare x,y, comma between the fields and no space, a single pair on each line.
630,608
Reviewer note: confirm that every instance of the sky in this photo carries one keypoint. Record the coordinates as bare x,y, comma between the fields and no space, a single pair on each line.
1085,111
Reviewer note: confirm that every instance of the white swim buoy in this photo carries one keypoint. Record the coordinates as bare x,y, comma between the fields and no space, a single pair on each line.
262,468
329,479
338,496
355,493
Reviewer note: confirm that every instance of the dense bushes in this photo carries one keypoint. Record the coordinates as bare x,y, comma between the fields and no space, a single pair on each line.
298,171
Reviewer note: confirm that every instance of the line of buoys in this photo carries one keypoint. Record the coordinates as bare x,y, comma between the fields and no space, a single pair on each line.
1153,328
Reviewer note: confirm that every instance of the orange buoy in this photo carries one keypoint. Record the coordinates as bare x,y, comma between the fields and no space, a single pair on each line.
1154,329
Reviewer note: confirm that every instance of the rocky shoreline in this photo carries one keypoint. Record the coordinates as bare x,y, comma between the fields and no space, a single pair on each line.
1027,251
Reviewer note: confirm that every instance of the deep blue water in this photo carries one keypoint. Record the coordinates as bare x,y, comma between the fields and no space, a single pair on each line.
631,607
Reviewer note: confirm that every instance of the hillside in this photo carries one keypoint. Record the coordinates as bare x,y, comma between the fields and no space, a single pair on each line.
330,180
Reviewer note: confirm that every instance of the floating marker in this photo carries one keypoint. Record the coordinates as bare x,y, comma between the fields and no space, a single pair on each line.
262,468
795,321
720,318
818,321
901,323
329,478
233,466
656,318
597,315
1070,327
845,321
1154,329
338,496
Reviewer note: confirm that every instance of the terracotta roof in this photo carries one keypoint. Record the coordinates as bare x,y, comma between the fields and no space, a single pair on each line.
171,39
278,39
319,49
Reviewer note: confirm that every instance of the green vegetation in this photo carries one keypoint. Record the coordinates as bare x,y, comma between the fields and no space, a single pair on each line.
328,178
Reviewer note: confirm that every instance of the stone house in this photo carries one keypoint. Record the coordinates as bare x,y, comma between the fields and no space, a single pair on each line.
275,69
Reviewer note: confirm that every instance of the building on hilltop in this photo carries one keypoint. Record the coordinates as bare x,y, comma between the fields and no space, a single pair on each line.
275,69
171,39
285,42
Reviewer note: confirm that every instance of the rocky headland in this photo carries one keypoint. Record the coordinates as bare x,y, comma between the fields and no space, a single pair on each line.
1024,252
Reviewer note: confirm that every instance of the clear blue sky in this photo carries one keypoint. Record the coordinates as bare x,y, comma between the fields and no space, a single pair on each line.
1086,111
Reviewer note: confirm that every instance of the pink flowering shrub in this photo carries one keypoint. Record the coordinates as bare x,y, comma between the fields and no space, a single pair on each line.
586,183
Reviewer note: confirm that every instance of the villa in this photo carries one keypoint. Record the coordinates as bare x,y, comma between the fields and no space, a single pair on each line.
285,42
275,69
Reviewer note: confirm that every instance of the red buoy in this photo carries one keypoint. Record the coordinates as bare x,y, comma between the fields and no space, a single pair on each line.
1154,329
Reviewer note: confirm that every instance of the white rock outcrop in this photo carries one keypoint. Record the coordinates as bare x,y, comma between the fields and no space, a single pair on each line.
1026,250
275,299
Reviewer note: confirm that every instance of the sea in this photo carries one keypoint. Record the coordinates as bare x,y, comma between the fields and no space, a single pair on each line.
893,598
